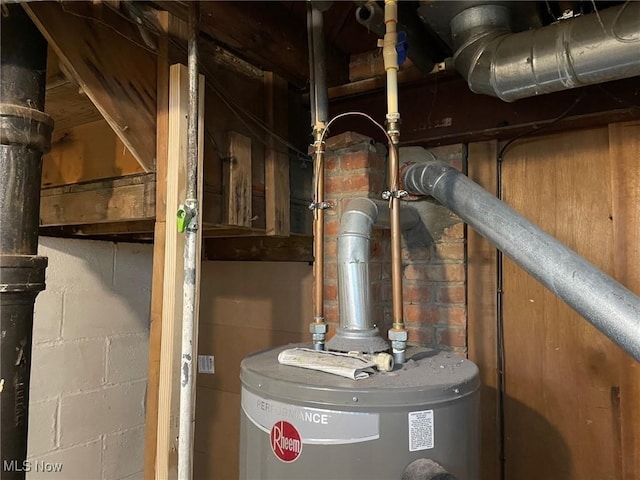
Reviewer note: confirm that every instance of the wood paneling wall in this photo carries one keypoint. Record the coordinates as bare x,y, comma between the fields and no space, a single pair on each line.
481,309
571,394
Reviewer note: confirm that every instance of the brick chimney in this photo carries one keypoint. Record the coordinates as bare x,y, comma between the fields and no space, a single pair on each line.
434,271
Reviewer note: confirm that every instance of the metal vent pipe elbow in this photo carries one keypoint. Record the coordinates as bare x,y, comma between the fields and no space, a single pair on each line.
607,305
585,50
362,215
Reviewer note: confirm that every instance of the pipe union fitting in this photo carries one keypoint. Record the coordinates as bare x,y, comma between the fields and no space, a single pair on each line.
318,328
396,335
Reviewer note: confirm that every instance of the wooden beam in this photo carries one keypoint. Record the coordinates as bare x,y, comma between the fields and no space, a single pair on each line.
368,65
373,84
86,153
166,466
117,75
217,231
268,249
123,229
276,162
265,34
122,199
236,180
437,111
160,228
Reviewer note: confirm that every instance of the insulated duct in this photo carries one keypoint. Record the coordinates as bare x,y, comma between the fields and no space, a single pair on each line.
357,332
585,50
25,134
606,304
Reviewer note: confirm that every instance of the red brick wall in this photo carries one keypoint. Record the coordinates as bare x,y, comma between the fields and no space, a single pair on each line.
433,261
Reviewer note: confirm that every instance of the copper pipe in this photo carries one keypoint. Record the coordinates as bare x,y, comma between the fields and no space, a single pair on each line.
318,328
398,334
318,241
319,112
396,246
318,272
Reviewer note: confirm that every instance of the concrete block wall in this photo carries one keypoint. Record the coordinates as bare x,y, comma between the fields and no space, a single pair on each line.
434,273
89,368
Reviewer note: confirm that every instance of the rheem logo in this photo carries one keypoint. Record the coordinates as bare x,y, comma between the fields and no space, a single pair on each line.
285,441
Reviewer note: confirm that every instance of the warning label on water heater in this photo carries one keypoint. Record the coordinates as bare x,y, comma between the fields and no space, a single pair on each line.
421,433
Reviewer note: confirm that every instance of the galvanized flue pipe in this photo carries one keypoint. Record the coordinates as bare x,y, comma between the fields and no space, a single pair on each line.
585,50
607,305
25,135
357,331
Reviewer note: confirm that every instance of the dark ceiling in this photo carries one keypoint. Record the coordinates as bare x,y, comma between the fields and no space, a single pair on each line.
272,35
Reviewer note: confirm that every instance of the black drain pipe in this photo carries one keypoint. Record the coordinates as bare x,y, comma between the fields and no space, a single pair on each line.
25,134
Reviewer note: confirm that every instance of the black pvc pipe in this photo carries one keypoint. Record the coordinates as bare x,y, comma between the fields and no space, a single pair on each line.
25,134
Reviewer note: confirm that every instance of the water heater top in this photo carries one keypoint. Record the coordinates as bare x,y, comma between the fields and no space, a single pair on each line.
427,376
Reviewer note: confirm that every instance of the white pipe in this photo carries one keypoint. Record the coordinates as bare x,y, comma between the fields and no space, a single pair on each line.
390,55
187,381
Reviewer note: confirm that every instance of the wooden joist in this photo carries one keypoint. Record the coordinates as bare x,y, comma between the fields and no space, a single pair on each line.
276,161
265,34
117,75
296,248
115,200
236,180
131,230
448,112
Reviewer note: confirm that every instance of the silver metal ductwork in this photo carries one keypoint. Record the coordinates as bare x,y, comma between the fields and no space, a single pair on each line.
357,331
584,50
607,305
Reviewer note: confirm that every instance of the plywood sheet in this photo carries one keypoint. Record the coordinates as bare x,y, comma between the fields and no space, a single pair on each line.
246,306
217,435
86,152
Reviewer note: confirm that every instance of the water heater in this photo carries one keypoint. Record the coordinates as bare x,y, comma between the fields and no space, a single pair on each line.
300,424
